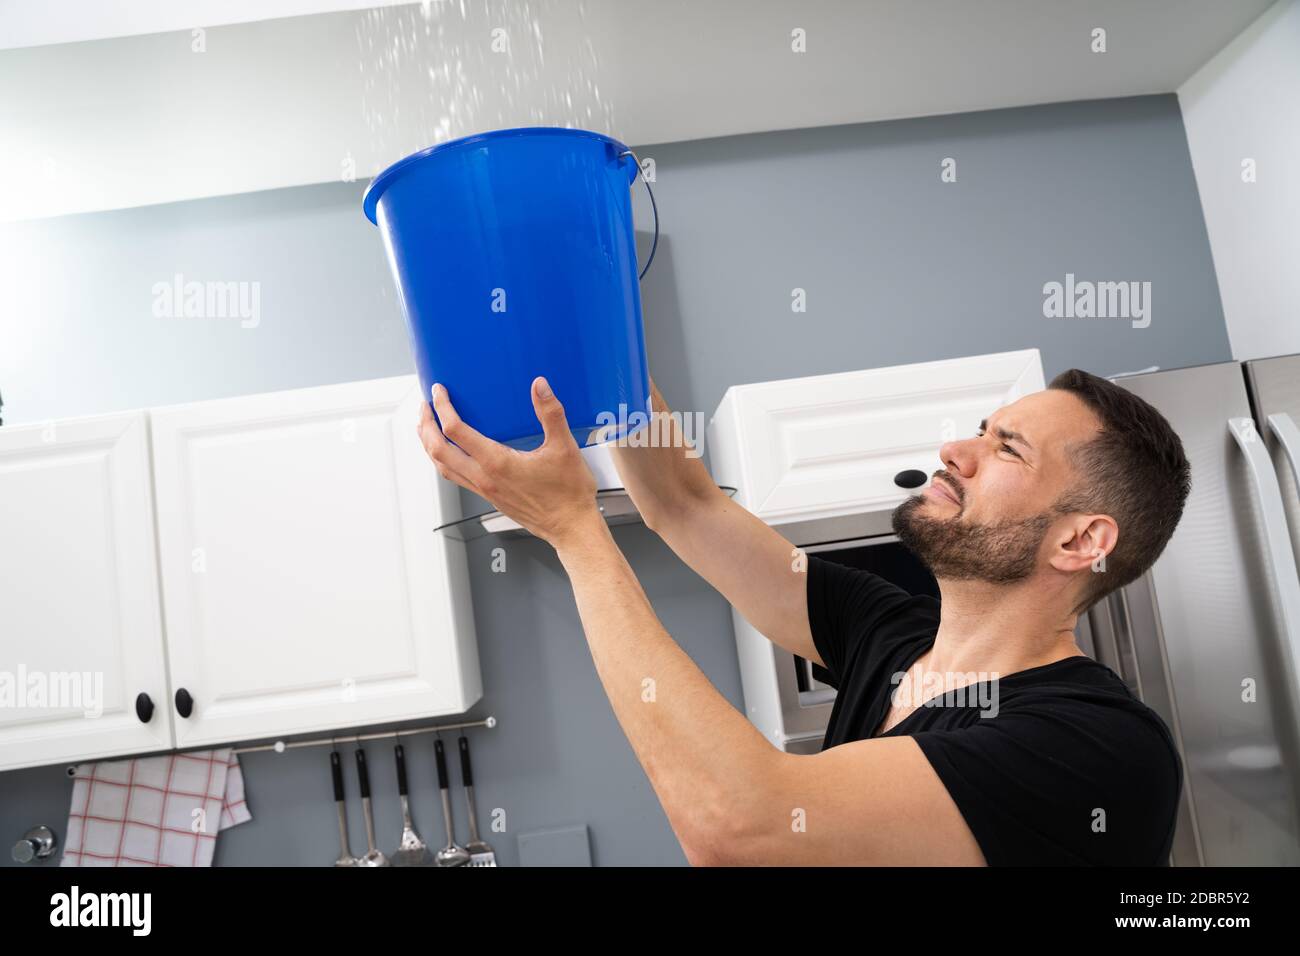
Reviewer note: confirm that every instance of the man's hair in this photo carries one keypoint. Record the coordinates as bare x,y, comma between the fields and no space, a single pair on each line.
1134,470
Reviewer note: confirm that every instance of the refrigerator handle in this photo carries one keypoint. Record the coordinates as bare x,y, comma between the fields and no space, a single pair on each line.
1280,557
1288,436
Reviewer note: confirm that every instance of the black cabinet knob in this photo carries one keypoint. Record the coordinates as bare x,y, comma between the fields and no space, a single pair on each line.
912,478
143,707
184,703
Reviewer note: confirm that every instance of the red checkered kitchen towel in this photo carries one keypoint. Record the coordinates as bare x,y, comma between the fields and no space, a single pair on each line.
154,811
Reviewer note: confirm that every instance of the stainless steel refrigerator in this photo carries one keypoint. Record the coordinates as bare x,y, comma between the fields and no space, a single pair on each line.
1210,637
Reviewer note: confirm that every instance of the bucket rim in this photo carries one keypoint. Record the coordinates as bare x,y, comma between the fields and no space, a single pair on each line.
370,201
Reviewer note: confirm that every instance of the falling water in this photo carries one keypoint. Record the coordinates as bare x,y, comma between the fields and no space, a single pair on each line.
442,69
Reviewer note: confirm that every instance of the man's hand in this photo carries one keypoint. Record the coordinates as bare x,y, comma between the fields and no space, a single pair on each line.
550,490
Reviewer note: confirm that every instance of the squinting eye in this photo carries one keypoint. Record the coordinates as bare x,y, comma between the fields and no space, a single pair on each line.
979,433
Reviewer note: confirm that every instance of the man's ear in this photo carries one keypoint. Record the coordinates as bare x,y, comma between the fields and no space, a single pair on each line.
1084,543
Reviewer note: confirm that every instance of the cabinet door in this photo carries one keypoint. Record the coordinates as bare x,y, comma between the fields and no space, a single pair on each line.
831,445
80,628
304,586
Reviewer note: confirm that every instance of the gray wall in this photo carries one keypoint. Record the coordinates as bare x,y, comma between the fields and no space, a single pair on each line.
897,266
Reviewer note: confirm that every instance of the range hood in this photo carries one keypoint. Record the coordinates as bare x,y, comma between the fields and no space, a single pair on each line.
611,497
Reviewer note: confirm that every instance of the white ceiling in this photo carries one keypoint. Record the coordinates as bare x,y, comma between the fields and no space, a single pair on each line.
142,118
45,22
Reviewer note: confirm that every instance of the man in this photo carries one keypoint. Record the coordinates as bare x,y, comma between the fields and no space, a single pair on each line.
968,731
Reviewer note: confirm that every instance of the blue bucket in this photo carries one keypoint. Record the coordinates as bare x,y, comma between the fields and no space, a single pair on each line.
515,256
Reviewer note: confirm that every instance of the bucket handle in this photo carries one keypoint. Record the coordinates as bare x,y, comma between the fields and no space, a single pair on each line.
641,175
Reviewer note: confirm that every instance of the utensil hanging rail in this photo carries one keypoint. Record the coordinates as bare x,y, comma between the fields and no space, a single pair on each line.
280,746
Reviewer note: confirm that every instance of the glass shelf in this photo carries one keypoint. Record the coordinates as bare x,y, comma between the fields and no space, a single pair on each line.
614,503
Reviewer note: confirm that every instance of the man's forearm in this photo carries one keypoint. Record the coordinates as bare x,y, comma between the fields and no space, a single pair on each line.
661,477
704,759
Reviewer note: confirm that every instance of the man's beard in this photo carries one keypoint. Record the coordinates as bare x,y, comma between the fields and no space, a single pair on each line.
1001,553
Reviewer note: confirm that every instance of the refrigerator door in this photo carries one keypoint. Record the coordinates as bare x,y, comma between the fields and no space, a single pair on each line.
1204,637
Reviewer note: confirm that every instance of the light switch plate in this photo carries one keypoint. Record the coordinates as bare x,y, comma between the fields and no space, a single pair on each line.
555,846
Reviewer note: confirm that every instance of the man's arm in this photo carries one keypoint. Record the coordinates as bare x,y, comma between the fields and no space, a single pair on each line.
730,797
748,562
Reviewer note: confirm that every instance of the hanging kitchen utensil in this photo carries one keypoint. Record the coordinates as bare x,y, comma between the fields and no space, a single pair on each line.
373,857
411,850
340,802
451,854
480,854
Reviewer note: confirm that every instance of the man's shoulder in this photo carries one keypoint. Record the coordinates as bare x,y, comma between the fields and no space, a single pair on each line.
1089,703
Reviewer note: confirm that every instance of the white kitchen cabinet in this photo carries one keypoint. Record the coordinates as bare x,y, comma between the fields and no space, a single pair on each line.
80,632
304,588
829,446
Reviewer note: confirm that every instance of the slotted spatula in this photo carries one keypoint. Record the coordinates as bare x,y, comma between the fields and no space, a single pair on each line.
480,854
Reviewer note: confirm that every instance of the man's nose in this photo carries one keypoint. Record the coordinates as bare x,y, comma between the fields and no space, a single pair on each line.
960,457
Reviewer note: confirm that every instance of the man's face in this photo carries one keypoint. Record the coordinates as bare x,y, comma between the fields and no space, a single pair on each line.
984,516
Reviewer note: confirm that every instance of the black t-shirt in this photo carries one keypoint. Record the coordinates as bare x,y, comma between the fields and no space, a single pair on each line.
1055,765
